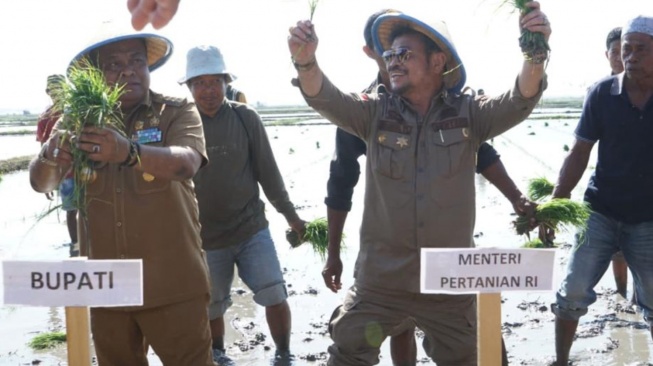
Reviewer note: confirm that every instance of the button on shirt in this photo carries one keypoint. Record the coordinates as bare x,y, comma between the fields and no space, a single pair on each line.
408,157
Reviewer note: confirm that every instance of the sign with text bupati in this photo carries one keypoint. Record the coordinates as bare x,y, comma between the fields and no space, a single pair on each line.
73,282
485,270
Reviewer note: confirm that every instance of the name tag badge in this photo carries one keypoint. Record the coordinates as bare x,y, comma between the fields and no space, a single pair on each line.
147,135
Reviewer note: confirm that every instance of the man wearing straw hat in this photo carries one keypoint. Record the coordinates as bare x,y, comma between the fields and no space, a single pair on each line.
142,206
618,112
234,227
422,141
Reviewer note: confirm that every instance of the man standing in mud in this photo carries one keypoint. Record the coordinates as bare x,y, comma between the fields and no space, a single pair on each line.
422,141
234,227
343,176
618,112
141,205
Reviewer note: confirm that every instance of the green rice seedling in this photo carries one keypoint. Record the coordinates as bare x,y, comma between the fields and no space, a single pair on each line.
312,5
47,340
557,214
533,45
316,234
539,188
536,244
86,100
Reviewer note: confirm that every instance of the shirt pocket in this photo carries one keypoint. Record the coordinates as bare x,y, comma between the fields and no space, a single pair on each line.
143,184
450,150
392,154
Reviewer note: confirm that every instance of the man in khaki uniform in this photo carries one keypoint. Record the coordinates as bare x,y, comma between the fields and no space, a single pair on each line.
142,206
421,141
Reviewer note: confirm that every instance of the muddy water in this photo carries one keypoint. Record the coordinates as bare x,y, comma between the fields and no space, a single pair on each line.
610,335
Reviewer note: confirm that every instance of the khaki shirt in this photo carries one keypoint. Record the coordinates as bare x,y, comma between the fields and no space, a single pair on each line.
156,221
420,173
227,189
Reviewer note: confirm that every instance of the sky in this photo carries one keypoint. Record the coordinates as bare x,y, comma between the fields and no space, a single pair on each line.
40,37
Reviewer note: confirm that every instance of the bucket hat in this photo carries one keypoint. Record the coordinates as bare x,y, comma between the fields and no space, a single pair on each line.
205,60
455,76
159,48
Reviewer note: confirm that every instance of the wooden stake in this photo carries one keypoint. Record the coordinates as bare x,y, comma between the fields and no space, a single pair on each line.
489,329
78,336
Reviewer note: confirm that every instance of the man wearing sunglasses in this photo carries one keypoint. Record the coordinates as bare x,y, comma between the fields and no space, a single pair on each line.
344,172
422,141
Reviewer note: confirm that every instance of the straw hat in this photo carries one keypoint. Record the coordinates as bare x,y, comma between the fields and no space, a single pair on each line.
159,48
455,76
205,60
54,81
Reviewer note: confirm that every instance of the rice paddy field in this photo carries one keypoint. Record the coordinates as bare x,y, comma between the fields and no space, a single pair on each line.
611,334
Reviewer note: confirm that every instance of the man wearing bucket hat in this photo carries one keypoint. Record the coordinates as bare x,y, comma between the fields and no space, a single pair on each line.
618,112
234,227
142,206
422,141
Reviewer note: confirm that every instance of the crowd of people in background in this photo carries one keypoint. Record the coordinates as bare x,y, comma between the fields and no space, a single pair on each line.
179,188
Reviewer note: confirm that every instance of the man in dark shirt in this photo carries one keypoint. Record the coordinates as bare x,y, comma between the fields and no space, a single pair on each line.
343,177
234,227
618,112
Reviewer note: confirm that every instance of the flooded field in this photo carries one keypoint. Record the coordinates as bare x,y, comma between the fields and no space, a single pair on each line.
610,334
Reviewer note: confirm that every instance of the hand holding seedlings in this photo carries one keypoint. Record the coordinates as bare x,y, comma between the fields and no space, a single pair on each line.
302,43
104,144
536,30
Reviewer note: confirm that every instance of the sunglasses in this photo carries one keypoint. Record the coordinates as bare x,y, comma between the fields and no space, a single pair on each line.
400,54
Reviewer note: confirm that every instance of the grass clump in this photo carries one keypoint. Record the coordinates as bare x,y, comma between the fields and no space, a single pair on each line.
533,45
47,340
536,244
86,100
539,188
316,234
556,214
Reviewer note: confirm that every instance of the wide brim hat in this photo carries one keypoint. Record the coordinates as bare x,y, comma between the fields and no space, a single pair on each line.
205,60
454,77
159,48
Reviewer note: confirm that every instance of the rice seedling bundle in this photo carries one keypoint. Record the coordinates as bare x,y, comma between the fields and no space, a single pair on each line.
47,340
316,233
86,100
539,188
556,214
533,45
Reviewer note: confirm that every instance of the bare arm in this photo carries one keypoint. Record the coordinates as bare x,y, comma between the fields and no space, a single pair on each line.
170,162
572,168
333,268
497,175
531,74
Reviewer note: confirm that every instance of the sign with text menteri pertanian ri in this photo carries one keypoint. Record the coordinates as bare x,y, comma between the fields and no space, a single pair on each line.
485,270
73,282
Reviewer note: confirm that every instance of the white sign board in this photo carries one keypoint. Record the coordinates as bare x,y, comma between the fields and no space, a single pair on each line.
486,270
73,282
